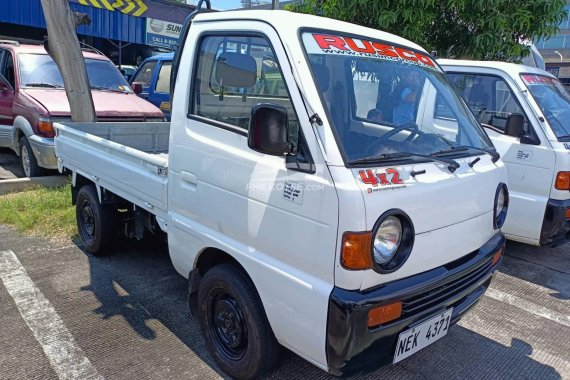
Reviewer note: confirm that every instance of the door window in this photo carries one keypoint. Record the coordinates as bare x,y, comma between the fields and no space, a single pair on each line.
8,68
490,98
163,82
144,75
234,74
2,54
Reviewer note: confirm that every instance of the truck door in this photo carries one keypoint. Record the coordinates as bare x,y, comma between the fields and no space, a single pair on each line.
494,97
279,222
145,75
160,94
7,88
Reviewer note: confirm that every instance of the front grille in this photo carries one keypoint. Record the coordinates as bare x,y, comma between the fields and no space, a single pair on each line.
438,295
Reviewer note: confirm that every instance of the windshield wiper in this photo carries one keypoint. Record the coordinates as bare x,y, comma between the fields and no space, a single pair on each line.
39,84
564,138
452,165
495,156
101,88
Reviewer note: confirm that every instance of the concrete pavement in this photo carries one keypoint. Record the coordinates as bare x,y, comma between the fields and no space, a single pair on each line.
12,176
10,167
127,315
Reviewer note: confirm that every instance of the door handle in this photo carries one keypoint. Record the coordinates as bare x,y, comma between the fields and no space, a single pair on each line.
189,177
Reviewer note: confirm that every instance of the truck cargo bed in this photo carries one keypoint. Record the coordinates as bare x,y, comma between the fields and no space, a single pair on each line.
128,159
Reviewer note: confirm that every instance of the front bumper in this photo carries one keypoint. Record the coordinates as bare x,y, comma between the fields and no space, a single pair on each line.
44,151
555,227
352,347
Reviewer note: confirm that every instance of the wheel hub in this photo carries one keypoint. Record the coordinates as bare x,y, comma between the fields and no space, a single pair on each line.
88,221
229,327
26,160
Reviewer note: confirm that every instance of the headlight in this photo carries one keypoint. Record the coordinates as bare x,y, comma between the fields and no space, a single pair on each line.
501,206
387,239
393,241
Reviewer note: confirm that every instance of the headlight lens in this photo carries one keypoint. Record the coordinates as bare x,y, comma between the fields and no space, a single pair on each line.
387,239
393,239
501,206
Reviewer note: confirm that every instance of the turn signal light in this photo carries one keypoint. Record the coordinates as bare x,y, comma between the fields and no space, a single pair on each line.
384,314
45,127
355,252
497,256
562,181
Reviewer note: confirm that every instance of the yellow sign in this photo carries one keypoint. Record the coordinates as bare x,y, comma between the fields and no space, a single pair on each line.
129,7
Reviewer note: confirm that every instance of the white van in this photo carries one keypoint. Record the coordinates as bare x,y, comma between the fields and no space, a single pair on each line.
526,112
306,198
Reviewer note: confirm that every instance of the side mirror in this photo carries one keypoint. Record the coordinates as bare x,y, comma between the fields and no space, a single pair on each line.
514,125
268,130
137,87
530,139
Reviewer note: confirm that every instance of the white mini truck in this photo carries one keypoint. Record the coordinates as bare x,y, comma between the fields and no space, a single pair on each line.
303,214
526,112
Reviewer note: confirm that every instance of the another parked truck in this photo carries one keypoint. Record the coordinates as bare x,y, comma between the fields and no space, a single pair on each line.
302,213
152,81
32,98
526,112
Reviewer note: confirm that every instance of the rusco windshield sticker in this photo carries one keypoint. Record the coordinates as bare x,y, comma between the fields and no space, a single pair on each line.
338,45
381,180
537,79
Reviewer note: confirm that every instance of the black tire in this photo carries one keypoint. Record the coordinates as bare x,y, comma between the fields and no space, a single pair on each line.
234,323
28,160
95,222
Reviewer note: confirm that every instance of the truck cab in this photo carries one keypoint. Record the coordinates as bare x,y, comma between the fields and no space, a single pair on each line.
151,81
526,112
305,194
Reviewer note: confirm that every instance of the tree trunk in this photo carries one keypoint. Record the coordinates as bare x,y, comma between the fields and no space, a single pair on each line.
65,50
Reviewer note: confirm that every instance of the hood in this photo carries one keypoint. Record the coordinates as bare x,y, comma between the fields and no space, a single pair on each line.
435,199
107,103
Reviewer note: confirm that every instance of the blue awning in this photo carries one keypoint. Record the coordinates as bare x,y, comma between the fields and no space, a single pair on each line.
104,24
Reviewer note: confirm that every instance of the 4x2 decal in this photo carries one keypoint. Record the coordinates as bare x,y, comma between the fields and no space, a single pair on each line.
390,177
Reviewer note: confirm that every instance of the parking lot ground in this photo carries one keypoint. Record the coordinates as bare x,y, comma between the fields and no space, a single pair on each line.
10,167
125,317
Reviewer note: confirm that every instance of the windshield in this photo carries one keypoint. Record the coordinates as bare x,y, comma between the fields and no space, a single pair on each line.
40,70
553,100
384,99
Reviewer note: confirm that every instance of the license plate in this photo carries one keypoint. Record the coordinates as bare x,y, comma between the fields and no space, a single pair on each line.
414,339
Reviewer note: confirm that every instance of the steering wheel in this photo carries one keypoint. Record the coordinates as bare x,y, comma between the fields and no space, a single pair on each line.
412,127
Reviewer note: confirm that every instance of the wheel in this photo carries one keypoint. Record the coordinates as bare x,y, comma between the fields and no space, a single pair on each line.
28,160
95,222
234,324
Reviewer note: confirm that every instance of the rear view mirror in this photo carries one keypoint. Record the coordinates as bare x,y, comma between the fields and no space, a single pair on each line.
236,70
514,125
268,130
137,87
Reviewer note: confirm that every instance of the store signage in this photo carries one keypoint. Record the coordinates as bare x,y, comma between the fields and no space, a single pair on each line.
161,33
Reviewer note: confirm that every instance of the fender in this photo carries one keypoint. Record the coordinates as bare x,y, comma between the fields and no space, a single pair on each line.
21,125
